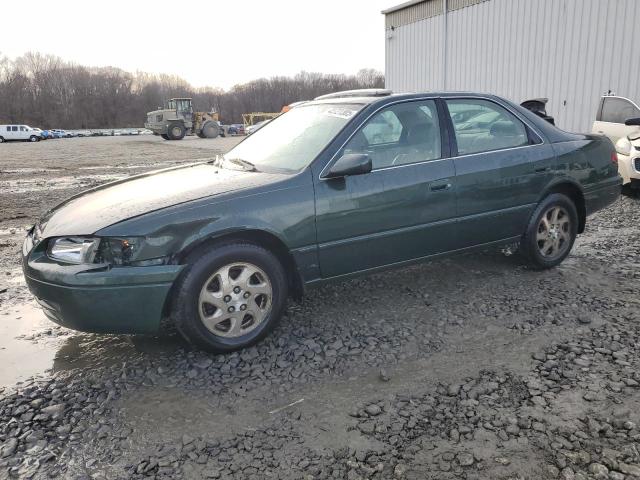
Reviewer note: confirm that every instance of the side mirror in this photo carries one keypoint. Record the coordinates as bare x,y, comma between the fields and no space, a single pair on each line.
633,122
350,164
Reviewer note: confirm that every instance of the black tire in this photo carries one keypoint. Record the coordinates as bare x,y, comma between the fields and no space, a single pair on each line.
176,131
1,140
33,138
532,248
210,129
185,305
163,135
201,135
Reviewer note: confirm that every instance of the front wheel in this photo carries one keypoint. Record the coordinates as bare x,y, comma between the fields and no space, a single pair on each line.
165,136
229,297
551,232
176,131
33,138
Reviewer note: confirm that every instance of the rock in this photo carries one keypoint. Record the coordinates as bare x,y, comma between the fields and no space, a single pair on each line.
502,461
9,447
383,375
598,469
373,410
53,411
585,319
629,469
400,470
465,459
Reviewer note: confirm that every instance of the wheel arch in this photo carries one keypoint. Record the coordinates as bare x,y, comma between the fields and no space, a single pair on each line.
572,190
261,238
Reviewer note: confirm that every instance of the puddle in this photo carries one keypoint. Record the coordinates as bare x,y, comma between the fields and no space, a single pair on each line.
20,358
30,345
58,183
30,170
129,167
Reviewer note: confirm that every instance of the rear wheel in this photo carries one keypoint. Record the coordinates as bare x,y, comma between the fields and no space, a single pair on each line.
551,232
1,139
229,297
176,131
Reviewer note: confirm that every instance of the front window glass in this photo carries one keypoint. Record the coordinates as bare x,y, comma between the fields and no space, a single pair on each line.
399,135
171,105
293,140
618,110
483,126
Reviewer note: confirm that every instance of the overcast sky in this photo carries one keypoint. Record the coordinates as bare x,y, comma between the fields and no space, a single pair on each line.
215,43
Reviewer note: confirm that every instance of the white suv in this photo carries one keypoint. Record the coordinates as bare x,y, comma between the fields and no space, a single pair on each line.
19,132
619,119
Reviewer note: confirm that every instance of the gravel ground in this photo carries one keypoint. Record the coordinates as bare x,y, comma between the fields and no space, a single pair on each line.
473,367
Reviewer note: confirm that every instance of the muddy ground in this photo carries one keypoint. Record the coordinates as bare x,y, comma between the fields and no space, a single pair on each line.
474,367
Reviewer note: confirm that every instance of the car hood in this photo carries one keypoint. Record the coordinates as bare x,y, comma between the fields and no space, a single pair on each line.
111,203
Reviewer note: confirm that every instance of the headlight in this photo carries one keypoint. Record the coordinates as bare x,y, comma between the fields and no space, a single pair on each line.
623,146
116,252
73,249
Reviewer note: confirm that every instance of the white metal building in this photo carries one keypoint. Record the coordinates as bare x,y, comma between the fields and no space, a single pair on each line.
570,51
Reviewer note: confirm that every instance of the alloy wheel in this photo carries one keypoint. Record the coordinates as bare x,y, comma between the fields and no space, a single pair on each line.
554,233
235,300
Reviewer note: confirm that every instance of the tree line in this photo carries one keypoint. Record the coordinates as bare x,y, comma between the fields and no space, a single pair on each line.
47,92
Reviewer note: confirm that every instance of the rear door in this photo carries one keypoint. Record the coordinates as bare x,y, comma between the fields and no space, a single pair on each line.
502,166
612,114
23,132
404,209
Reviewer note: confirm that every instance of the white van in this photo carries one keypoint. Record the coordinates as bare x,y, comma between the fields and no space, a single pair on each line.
19,132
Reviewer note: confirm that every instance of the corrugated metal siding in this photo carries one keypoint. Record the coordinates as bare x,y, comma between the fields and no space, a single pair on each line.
458,4
571,51
414,13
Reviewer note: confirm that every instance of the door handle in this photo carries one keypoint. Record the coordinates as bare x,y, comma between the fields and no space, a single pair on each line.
439,187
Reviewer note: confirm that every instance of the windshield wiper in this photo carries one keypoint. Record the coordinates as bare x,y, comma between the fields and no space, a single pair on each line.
245,164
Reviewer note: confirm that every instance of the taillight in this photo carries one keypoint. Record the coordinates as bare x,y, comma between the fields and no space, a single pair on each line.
614,158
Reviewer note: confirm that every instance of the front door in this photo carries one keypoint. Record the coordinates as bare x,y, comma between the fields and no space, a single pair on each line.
612,115
404,209
502,167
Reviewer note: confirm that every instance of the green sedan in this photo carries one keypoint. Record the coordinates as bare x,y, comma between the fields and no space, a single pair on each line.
349,183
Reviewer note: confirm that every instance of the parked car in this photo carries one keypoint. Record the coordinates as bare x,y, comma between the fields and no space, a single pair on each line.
236,129
254,128
19,132
216,248
619,119
56,133
40,132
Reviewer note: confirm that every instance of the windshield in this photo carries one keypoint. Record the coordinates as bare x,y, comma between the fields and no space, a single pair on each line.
294,139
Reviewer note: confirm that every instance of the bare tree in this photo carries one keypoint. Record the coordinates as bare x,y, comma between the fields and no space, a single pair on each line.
46,91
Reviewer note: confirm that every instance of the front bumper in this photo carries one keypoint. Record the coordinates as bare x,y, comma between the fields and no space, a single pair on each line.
629,166
99,300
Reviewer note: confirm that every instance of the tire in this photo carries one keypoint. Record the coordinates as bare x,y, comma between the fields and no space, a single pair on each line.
165,136
33,138
1,140
210,129
176,131
201,135
199,293
551,232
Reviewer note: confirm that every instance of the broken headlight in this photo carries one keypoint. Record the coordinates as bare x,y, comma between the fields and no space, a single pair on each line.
116,252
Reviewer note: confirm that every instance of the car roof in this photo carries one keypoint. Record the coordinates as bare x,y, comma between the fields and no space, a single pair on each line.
394,97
